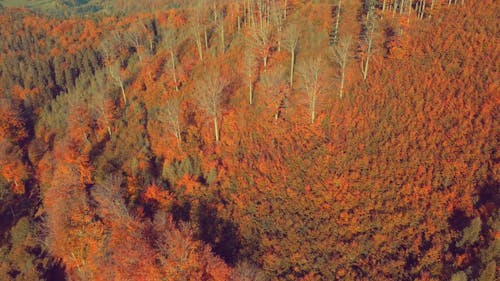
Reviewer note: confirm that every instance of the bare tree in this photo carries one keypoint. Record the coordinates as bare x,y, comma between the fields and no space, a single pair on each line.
369,35
337,22
313,81
116,75
421,9
291,42
278,21
170,41
341,53
274,87
209,96
197,27
100,105
170,115
109,197
247,272
136,36
111,47
219,25
261,42
250,65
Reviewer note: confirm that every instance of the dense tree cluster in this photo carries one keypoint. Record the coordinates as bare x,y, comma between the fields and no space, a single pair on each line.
251,140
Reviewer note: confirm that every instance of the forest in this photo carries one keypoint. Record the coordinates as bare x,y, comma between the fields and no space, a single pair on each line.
249,140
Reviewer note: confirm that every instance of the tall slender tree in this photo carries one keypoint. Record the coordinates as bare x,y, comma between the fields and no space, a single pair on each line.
312,73
209,95
291,42
341,53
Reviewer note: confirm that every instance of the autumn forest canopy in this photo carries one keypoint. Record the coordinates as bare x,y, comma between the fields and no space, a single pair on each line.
249,140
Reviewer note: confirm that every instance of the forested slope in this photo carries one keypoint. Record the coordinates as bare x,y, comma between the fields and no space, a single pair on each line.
251,140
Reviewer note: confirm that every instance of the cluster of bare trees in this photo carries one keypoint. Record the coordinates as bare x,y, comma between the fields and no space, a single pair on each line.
420,7
267,26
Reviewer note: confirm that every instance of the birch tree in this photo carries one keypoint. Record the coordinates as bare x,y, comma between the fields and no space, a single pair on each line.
170,41
291,42
260,39
170,115
110,48
116,74
209,96
219,26
368,37
249,67
136,36
274,88
197,29
313,82
337,22
340,56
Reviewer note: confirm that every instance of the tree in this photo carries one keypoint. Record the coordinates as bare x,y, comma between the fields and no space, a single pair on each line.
219,24
337,22
170,115
12,167
369,34
209,95
260,40
249,67
13,124
311,72
291,42
117,77
101,106
111,47
277,19
275,89
181,257
341,55
136,36
170,41
197,27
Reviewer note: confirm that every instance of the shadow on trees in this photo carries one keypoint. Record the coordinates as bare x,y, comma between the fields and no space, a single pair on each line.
488,193
458,220
220,234
56,272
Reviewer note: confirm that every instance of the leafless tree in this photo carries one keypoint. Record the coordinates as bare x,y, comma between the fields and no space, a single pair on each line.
170,41
100,104
341,53
261,41
136,36
278,22
209,95
198,29
247,272
313,81
170,115
219,26
274,84
250,66
337,21
370,25
291,42
110,49
111,202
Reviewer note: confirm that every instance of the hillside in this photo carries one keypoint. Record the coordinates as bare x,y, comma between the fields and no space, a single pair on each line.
91,8
58,7
249,140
